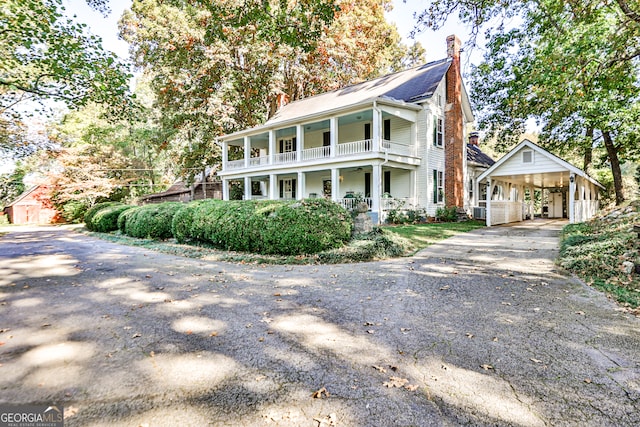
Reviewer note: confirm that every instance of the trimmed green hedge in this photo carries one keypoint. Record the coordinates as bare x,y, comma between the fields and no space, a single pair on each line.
265,227
151,221
103,217
124,216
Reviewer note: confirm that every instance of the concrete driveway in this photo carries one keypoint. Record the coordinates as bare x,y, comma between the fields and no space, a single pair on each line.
481,329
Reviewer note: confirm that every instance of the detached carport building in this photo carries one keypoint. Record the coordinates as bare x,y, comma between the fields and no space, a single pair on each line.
564,190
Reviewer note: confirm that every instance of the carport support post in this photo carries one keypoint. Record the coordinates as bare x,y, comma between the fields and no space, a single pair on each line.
572,202
488,202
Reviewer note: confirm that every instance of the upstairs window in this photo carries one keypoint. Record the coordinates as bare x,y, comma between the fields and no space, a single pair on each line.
438,131
527,157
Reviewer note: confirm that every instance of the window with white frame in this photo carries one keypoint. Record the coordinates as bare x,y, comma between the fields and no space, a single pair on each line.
438,131
438,186
527,157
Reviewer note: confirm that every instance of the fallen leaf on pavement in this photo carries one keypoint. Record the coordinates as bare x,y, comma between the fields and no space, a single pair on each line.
411,387
587,380
136,336
213,334
319,394
328,421
70,411
396,382
486,367
379,368
535,360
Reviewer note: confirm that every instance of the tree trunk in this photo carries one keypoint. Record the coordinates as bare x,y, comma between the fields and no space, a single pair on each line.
588,149
612,152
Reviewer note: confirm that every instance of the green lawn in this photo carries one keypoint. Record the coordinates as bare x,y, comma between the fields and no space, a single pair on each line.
423,235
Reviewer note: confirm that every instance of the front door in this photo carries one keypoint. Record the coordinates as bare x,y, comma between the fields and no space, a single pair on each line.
556,208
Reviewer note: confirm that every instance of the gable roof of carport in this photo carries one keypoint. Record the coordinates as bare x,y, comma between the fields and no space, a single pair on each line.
536,148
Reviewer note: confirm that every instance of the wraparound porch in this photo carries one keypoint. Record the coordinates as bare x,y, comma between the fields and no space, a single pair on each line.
382,186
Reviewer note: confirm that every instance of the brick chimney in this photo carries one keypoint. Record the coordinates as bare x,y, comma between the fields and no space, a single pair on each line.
473,139
454,145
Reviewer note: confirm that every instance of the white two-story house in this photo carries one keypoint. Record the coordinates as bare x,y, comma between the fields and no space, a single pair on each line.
395,141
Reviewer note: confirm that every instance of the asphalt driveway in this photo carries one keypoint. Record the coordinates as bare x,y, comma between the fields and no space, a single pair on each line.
481,329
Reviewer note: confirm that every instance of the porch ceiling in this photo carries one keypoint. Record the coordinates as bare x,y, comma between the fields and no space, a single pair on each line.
537,180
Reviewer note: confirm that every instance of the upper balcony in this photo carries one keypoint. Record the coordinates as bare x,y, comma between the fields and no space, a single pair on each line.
309,155
361,135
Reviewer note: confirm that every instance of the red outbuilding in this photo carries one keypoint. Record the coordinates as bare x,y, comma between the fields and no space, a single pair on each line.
34,206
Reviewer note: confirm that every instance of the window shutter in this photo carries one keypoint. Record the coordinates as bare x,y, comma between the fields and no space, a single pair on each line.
281,146
367,131
294,143
294,185
387,182
435,131
387,130
281,189
326,139
435,186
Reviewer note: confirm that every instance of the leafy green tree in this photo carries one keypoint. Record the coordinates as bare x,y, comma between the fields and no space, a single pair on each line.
571,65
11,185
46,56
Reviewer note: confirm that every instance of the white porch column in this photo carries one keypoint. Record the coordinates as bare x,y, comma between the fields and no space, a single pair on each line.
376,190
414,139
300,190
247,188
272,146
333,133
572,201
225,189
377,129
299,142
225,155
273,186
247,151
488,201
335,184
412,187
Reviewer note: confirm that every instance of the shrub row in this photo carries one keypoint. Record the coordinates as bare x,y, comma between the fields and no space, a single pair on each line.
150,221
103,217
263,227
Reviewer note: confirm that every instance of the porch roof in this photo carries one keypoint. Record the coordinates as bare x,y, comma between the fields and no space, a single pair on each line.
549,171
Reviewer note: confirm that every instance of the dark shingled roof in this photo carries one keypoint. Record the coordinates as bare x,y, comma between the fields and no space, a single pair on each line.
475,155
411,86
423,84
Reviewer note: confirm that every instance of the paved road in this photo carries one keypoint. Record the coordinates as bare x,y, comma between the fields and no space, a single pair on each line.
481,329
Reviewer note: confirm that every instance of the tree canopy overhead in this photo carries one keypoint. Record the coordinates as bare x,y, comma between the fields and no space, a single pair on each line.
572,65
47,56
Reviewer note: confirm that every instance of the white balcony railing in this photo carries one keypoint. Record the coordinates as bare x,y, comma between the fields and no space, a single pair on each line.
352,203
235,164
356,147
386,203
289,157
316,153
342,150
259,161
